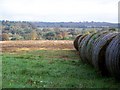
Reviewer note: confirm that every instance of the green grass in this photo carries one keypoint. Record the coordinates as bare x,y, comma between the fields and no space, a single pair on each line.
50,69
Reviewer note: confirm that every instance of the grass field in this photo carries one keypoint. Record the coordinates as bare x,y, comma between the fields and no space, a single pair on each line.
50,69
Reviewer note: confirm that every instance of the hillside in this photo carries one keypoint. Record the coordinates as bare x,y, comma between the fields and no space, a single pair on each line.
75,24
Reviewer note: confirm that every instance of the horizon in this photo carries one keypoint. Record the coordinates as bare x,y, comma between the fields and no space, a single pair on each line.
60,21
59,11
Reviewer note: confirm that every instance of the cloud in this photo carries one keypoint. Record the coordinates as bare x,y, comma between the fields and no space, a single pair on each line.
59,10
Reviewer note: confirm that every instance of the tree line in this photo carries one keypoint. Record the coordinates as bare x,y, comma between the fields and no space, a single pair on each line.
11,30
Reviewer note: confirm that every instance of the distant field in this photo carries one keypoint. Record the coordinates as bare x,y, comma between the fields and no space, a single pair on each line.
28,65
12,46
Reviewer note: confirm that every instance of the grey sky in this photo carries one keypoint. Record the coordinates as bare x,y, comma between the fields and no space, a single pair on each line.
59,10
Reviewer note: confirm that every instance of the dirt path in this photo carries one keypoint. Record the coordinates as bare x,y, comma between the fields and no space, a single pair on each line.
10,46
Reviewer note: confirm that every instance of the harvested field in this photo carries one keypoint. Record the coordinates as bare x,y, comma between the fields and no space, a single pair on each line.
11,46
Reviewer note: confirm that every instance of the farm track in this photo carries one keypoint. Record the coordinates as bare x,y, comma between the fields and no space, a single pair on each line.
14,46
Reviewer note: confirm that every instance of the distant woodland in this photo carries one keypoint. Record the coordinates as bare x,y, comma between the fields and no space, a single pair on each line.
23,30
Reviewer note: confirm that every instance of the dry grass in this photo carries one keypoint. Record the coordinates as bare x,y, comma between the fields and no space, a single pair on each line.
14,46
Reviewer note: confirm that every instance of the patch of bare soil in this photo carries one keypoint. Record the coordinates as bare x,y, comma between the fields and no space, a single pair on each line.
14,46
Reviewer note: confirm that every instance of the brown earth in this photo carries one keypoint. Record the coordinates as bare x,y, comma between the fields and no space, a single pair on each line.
13,46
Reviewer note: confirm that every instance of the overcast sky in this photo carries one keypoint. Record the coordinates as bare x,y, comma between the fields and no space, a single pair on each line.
59,10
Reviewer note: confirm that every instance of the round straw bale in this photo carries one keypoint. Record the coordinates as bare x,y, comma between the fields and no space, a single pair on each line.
98,55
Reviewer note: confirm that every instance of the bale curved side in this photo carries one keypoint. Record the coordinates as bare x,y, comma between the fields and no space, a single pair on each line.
98,55
113,57
84,43
79,41
76,42
91,42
